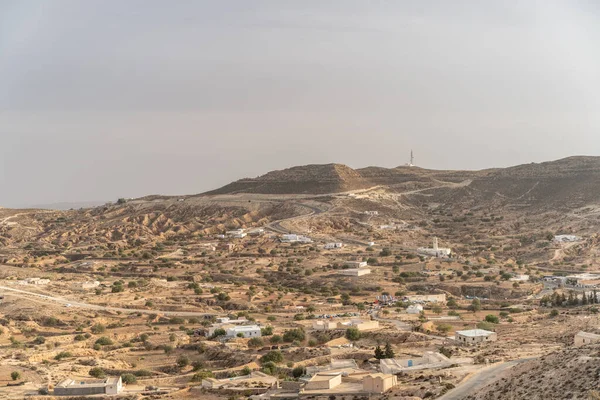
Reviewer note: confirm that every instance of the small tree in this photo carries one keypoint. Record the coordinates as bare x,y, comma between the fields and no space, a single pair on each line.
272,356
255,342
379,353
98,328
275,339
475,305
97,372
436,309
183,361
352,334
15,375
298,372
128,379
493,319
389,352
218,332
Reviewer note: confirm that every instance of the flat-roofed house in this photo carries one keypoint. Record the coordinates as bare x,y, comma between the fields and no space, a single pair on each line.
582,338
324,381
379,383
69,387
249,331
355,271
474,336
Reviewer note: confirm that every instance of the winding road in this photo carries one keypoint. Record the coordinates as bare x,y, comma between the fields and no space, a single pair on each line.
482,378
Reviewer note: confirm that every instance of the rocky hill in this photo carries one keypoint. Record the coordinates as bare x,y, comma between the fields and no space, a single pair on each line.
308,179
569,183
571,373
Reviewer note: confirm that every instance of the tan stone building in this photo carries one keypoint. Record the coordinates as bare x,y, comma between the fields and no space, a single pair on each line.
379,383
324,381
582,338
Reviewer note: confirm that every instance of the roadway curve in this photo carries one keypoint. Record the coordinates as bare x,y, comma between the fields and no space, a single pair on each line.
482,378
276,227
36,296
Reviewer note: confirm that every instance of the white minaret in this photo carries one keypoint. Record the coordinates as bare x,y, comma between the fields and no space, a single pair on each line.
412,159
435,243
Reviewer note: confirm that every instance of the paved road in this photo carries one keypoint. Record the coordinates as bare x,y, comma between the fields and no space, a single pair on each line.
481,379
26,294
275,226
400,325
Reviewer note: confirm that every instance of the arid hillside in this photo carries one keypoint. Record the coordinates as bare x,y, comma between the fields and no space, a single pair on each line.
569,183
571,373
309,179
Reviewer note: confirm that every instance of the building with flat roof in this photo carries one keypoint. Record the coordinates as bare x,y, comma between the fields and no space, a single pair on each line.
355,264
435,251
429,360
414,309
324,325
324,381
379,383
249,331
360,324
474,336
69,387
355,271
426,298
582,338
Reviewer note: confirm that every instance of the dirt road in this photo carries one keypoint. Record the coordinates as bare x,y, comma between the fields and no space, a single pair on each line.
76,304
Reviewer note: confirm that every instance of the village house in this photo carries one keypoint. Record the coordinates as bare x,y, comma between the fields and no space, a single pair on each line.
379,383
355,272
475,336
355,264
324,325
582,338
360,324
324,381
249,331
69,387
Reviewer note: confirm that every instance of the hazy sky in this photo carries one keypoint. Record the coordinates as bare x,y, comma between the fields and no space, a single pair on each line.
119,98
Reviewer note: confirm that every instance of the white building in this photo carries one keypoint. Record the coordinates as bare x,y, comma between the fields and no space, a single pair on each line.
249,331
70,387
355,271
372,213
429,360
426,298
435,251
520,278
474,336
414,309
292,238
566,238
329,246
356,264
236,233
